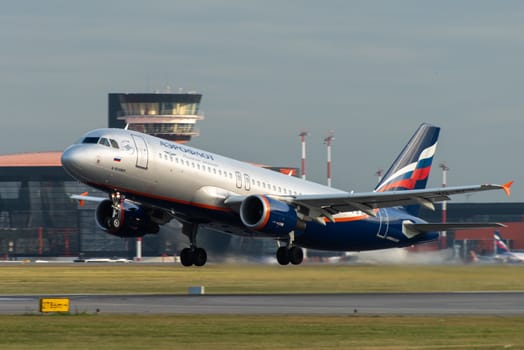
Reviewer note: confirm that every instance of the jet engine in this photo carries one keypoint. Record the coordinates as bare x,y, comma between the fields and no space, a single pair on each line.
265,214
131,221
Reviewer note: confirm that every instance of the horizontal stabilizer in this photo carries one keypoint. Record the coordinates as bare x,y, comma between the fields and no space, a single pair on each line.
437,227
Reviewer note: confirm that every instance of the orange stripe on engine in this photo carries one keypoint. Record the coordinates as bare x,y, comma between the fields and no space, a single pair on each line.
267,214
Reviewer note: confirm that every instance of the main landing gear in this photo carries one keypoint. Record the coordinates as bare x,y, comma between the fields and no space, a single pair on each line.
293,255
192,255
290,253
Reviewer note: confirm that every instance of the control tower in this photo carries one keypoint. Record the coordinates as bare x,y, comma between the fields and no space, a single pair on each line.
171,116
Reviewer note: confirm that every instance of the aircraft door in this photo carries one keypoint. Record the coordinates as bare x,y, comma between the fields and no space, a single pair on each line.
239,179
247,182
142,155
383,226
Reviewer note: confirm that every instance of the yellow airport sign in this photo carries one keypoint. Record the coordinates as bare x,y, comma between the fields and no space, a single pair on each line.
54,305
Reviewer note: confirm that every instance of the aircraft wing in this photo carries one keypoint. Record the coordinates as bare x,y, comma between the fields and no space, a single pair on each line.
315,206
330,204
84,197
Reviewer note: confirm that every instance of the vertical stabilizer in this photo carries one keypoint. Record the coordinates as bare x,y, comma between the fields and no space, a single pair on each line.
411,169
500,247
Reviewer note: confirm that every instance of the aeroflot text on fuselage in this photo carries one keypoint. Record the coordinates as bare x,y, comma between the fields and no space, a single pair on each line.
178,147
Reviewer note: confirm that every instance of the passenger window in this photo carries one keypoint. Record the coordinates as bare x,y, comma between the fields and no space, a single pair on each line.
114,144
104,141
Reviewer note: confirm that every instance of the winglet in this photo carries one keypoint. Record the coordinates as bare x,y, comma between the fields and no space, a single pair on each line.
507,187
81,202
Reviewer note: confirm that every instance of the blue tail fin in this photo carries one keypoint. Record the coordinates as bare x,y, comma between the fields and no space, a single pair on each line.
410,171
500,246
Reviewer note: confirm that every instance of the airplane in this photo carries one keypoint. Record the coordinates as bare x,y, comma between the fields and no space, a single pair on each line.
151,181
503,253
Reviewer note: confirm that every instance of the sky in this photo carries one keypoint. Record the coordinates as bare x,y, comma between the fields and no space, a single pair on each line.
371,71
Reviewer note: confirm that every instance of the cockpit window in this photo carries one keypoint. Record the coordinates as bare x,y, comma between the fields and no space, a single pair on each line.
114,143
91,140
104,141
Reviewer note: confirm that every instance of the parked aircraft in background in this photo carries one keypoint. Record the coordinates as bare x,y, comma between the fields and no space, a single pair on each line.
151,181
503,253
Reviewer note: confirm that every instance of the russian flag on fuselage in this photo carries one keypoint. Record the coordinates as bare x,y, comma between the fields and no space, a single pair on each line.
411,168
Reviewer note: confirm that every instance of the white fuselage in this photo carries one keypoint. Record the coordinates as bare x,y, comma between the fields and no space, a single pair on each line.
148,166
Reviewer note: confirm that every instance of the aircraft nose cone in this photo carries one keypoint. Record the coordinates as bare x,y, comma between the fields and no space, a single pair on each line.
72,160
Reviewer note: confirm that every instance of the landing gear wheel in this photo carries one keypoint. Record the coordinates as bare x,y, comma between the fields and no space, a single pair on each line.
293,255
115,222
282,256
199,257
186,257
193,255
296,255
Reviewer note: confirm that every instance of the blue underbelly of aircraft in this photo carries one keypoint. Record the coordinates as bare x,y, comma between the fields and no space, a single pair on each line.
357,236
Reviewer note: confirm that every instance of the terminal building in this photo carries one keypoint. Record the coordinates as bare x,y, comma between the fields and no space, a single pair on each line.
39,219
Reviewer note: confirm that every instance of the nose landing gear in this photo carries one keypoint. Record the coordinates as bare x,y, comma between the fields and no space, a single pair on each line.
117,216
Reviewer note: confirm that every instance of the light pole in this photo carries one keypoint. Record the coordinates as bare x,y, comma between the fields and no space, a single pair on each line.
303,135
328,141
443,235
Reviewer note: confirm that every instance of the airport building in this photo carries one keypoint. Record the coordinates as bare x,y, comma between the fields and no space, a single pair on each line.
39,219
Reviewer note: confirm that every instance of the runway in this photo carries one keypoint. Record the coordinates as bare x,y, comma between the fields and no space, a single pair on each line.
460,303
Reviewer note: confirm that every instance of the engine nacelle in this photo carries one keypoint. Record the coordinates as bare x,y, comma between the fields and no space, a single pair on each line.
133,221
262,213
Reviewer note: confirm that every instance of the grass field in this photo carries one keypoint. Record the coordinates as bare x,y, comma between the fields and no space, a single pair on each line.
86,331
169,278
259,332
